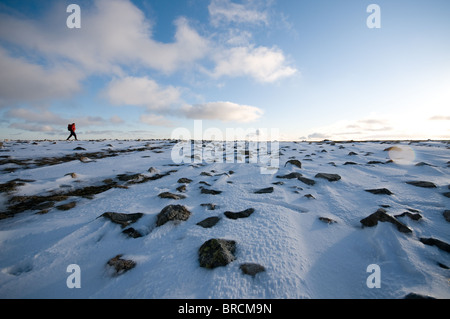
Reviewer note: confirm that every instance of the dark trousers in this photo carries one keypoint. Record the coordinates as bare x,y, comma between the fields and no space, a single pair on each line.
72,133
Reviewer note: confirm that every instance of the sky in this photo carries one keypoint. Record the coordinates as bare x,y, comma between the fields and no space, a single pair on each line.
296,70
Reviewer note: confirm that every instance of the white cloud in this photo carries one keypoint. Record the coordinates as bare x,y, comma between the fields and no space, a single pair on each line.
226,11
223,111
142,92
155,120
262,63
24,81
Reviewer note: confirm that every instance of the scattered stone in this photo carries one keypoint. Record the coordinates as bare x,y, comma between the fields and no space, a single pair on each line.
436,242
374,162
79,148
185,180
380,191
205,174
278,183
251,268
290,175
264,190
446,194
131,232
152,170
446,215
382,216
393,148
422,184
121,265
210,191
216,252
327,220
121,218
294,162
352,153
172,213
244,214
66,206
350,163
307,181
410,215
329,177
181,188
85,159
423,164
170,195
209,222
309,196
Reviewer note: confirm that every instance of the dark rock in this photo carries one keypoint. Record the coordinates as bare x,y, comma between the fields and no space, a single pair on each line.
422,184
210,191
329,177
436,242
327,220
216,252
382,216
352,153
290,175
66,206
251,268
131,232
121,265
410,215
309,196
380,191
375,162
307,181
350,163
446,194
181,188
244,214
209,222
185,180
122,219
264,190
294,162
446,215
172,213
171,196
79,148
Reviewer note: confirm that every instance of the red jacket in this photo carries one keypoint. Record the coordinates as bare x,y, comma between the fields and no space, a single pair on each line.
71,127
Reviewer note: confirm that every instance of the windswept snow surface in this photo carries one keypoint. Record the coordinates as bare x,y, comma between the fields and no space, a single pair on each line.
303,256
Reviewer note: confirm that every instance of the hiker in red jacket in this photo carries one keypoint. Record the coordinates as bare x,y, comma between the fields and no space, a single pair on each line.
71,128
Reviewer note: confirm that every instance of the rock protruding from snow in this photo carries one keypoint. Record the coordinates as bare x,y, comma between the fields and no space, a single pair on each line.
172,213
436,242
209,222
216,252
251,268
294,162
121,218
382,216
329,177
424,184
379,191
244,214
120,265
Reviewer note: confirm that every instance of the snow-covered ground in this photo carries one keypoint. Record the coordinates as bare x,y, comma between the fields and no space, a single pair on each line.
303,256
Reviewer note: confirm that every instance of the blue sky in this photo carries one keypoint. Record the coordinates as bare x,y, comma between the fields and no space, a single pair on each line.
141,69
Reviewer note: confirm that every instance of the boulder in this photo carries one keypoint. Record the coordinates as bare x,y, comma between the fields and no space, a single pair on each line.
131,232
436,242
413,216
184,180
209,222
210,191
294,162
216,252
120,265
172,213
329,177
290,175
171,196
251,268
380,191
243,214
307,181
327,220
382,216
264,190
422,184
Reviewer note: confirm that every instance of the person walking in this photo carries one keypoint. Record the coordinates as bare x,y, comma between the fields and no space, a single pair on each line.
71,129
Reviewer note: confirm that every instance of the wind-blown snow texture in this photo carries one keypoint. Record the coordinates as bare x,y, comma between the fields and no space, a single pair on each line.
303,256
